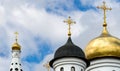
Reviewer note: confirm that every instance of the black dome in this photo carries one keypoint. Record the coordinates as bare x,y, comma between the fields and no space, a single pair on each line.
68,50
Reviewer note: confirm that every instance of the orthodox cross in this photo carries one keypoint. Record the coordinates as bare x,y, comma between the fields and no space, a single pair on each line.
16,38
104,8
69,21
47,66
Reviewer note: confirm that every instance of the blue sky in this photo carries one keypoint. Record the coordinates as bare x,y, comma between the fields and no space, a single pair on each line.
42,30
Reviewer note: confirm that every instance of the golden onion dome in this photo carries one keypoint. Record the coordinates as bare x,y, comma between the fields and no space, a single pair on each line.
104,45
16,46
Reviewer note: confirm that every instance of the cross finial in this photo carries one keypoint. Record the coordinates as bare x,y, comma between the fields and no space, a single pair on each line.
47,66
16,38
69,21
104,8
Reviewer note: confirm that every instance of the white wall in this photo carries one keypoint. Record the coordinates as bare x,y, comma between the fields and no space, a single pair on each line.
67,63
15,59
105,64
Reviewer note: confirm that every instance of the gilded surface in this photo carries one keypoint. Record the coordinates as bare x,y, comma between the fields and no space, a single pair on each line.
104,8
105,44
16,46
69,21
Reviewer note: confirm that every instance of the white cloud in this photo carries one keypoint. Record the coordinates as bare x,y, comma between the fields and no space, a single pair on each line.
4,64
2,15
31,21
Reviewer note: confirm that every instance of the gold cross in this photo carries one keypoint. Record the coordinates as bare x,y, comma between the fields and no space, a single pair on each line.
69,21
16,38
104,8
47,66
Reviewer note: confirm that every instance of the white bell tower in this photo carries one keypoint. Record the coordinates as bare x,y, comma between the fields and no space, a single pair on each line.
16,50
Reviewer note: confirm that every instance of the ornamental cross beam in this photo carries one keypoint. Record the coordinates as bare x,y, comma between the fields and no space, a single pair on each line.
47,66
104,8
69,21
16,34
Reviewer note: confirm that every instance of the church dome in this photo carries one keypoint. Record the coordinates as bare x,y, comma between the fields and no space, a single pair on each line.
68,50
16,46
103,46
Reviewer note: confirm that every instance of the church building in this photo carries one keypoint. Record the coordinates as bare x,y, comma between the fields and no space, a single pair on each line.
101,53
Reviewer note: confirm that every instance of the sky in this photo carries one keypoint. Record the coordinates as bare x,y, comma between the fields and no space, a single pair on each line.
42,30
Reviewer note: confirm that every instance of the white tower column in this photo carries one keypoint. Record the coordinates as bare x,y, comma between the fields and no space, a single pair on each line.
15,63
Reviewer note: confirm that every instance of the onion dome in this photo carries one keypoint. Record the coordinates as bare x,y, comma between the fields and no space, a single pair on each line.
16,45
105,45
69,50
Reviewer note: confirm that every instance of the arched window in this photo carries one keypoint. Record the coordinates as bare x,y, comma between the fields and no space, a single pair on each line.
61,69
16,63
72,68
16,69
11,69
21,70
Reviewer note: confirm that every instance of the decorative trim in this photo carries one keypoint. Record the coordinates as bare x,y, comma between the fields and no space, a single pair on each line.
70,64
104,62
102,66
69,61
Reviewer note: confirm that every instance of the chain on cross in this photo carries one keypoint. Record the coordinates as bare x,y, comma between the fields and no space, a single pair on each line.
104,8
69,21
